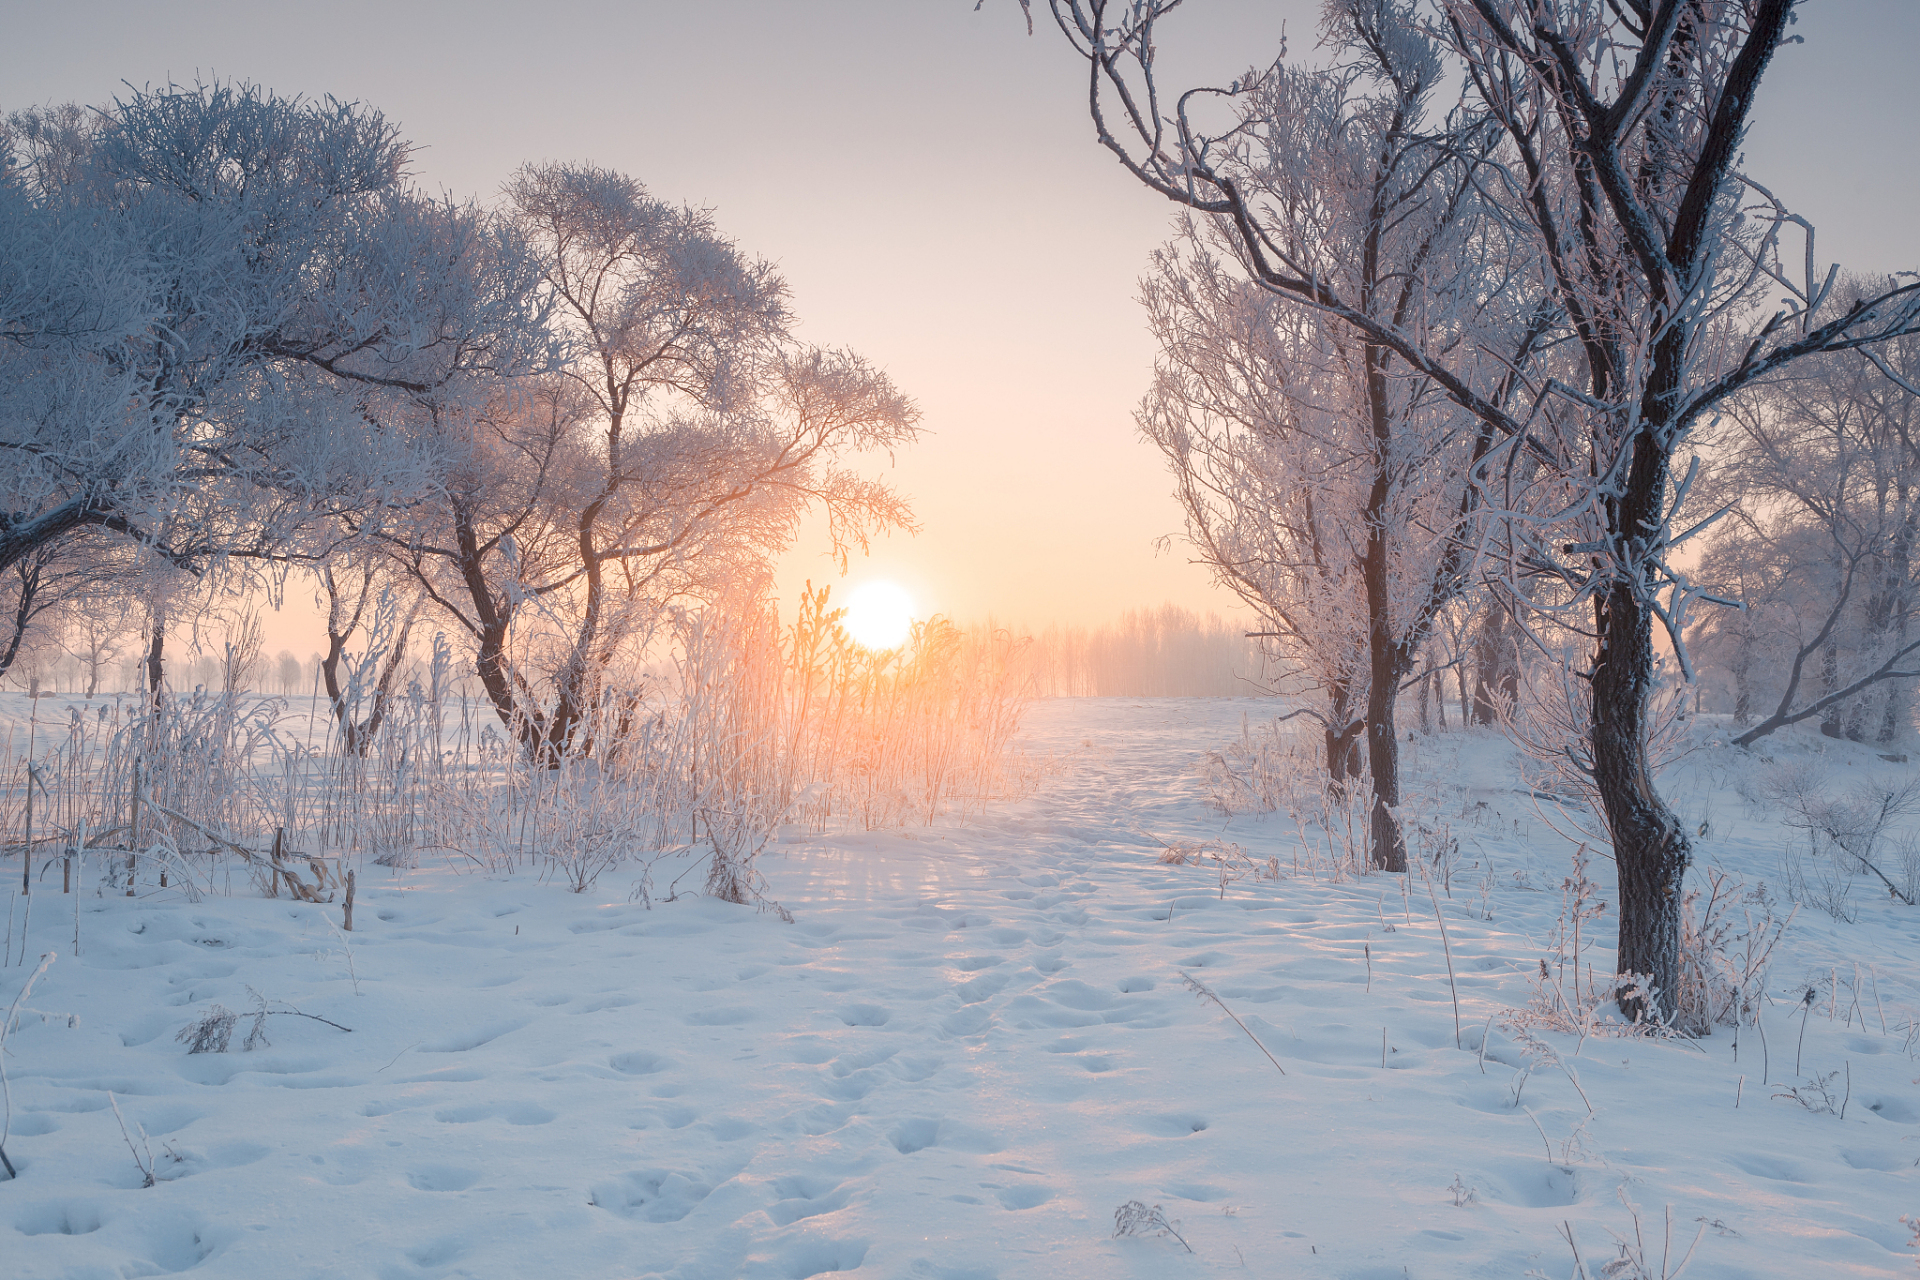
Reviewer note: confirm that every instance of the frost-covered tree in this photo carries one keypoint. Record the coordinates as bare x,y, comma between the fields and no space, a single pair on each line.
287,671
668,458
366,597
1621,124
1822,466
223,312
1325,480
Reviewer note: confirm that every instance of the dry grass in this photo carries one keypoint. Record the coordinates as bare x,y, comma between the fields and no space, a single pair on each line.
752,726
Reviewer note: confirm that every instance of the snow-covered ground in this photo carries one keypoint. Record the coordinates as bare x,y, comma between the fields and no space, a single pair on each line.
972,1045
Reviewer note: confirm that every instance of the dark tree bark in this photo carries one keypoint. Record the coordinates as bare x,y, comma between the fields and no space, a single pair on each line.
155,660
343,621
1342,736
1496,675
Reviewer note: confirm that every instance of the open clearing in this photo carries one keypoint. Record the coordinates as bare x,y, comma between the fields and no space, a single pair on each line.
973,1044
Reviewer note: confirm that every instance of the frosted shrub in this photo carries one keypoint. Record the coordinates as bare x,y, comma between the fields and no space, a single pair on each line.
1845,834
1727,940
1228,861
1262,772
1568,996
750,726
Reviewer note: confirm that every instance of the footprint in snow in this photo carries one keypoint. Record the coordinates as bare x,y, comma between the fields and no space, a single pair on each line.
1031,1196
521,1113
865,1015
809,1258
58,1217
442,1177
803,1197
649,1195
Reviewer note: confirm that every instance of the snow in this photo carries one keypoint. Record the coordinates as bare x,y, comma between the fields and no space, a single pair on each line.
970,1048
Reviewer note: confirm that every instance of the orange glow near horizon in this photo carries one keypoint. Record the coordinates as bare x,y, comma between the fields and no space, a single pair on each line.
879,614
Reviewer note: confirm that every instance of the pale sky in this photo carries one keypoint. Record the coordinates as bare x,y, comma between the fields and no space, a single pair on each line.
926,178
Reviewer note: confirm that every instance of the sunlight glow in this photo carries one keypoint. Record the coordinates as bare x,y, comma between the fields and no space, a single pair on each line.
879,615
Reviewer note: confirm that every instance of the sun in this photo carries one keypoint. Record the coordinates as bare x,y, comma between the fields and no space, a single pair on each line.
879,615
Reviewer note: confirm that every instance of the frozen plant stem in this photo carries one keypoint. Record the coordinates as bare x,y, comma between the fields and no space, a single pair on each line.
146,1165
1543,1132
1447,944
1806,1009
1206,993
1135,1219
6,1087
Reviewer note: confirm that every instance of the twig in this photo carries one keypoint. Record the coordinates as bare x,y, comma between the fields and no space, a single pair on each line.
316,1017
1579,1263
1206,993
145,1166
1543,1133
396,1057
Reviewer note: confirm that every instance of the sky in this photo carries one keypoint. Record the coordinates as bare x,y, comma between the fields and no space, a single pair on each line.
926,178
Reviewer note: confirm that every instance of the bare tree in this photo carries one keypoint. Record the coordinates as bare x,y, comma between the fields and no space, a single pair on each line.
1823,467
46,593
1322,477
1621,123
97,631
287,672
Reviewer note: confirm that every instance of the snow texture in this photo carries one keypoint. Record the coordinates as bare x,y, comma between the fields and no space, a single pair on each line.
973,1046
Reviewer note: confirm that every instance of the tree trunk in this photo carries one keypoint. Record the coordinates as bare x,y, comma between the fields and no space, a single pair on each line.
1494,680
1893,721
1832,724
1343,743
357,738
156,666
1743,678
1387,665
1386,845
1650,848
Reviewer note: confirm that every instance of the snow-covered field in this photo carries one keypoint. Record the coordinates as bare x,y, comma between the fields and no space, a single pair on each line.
973,1044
